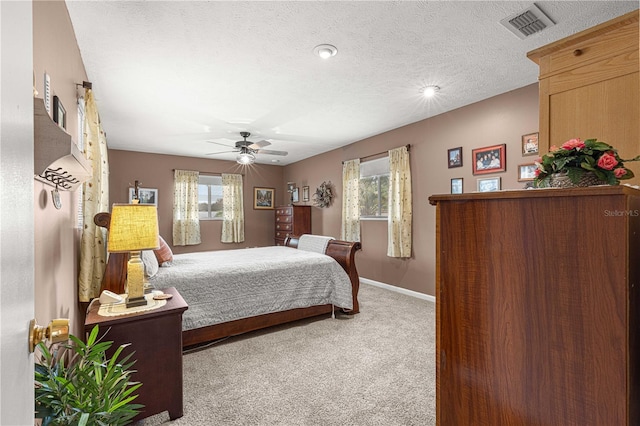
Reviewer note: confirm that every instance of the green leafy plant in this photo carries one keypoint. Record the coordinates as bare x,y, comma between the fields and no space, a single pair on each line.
576,157
76,384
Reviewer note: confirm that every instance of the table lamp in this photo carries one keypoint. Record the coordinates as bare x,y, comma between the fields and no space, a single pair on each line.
133,227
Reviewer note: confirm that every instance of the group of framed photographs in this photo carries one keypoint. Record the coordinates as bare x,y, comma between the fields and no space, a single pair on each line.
264,198
483,184
530,146
493,159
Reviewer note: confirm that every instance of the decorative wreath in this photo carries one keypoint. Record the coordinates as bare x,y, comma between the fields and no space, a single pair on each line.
323,195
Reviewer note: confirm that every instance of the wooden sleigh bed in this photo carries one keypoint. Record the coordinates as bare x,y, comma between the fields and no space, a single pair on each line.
343,252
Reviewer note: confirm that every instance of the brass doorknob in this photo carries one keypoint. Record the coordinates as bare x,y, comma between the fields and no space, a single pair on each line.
56,331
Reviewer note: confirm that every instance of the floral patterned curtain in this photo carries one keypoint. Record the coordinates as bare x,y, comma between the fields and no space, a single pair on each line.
400,210
186,223
232,209
350,230
95,200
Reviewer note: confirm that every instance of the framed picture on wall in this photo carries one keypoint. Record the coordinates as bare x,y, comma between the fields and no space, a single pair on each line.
526,172
489,184
305,193
145,196
530,144
263,198
295,195
456,186
490,159
454,155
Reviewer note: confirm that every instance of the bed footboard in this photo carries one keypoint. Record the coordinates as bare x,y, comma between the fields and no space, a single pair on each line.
344,252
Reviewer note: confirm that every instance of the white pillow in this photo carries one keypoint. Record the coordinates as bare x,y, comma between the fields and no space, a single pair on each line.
150,263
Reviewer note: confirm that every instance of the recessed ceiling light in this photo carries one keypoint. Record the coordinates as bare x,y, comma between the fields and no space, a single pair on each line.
430,91
325,51
275,160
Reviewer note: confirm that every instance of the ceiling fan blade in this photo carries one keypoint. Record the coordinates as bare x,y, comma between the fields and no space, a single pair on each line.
221,152
218,143
271,152
259,144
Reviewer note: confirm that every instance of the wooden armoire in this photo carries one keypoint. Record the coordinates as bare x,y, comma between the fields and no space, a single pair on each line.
538,307
589,88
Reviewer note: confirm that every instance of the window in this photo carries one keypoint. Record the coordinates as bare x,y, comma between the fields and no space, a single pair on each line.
374,188
210,197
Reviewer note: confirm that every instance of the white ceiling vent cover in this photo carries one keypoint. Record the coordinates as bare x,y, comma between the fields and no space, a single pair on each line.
527,22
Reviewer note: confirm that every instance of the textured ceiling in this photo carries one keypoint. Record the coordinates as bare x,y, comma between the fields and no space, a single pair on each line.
170,76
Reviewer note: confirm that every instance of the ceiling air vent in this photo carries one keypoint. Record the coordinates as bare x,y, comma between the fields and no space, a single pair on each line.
527,22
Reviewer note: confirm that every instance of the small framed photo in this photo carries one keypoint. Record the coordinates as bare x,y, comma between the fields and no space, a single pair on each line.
456,186
526,172
490,159
145,196
59,113
305,193
489,184
263,198
454,155
295,195
530,144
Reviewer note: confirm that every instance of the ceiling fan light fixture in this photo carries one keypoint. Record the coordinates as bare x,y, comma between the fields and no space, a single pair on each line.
430,91
246,158
325,51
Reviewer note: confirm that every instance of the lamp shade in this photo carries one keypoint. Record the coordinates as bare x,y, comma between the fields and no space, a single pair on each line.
133,227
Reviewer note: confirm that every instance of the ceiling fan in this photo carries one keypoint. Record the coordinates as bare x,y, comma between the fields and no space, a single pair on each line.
247,150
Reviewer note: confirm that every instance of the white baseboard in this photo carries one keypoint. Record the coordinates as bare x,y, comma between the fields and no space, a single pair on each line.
398,289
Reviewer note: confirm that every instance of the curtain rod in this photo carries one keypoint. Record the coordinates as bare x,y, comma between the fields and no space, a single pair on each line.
408,146
209,173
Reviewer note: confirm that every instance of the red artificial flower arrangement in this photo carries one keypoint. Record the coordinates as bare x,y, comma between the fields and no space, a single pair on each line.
576,157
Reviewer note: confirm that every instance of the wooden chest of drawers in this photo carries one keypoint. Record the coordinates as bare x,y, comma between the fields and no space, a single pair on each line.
291,220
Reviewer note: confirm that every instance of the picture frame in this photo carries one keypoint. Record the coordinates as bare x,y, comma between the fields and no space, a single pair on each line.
145,195
456,186
526,172
59,113
454,157
530,144
305,193
489,184
489,159
263,198
295,195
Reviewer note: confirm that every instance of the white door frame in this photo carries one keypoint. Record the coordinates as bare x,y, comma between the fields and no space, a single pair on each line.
16,212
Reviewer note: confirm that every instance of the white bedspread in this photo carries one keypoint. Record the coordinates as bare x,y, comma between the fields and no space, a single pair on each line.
225,285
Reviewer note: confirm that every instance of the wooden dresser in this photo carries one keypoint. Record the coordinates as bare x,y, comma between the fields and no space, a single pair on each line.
292,220
589,88
538,307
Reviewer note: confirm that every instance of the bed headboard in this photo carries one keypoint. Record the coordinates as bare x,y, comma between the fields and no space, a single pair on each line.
115,274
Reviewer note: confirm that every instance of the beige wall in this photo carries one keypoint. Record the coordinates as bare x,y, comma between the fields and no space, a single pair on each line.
55,52
502,119
156,171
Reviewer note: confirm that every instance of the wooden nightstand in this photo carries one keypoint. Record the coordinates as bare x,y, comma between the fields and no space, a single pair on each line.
156,338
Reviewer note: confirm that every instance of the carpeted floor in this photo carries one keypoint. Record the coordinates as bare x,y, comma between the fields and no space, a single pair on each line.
374,368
